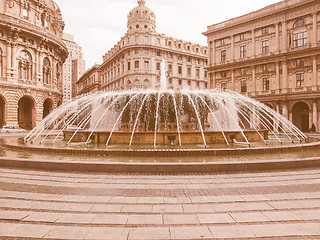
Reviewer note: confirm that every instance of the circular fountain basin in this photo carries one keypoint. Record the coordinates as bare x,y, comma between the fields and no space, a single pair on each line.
15,153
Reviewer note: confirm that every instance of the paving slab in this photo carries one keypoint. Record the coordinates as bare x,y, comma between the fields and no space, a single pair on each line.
107,233
190,233
68,232
154,233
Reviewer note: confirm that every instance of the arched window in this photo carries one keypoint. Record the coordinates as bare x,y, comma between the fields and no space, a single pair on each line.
25,65
46,70
300,23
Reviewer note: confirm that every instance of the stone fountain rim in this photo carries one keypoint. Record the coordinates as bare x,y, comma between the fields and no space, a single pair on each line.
165,168
167,152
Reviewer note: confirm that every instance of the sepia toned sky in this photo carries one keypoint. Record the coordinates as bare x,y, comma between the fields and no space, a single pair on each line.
98,24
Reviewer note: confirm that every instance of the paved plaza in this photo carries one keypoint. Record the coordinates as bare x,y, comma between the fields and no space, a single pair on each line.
62,205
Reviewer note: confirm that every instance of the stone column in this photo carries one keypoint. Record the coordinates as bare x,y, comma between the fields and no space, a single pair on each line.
253,43
314,29
232,48
254,80
315,116
12,112
284,110
8,59
284,86
284,36
277,38
210,53
315,73
213,78
214,53
277,87
13,47
232,80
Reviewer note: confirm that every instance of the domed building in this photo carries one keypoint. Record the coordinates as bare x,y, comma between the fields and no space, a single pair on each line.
31,57
134,62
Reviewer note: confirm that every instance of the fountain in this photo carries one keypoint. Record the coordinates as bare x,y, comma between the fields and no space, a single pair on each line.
165,119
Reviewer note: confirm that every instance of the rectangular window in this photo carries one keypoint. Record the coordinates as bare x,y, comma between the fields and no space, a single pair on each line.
198,84
300,39
170,68
136,51
205,74
180,82
179,69
129,66
265,31
158,66
146,64
300,80
265,84
265,46
243,86
189,72
136,64
223,56
198,73
189,83
146,51
243,71
223,41
242,36
224,85
223,74
243,52
300,62
25,13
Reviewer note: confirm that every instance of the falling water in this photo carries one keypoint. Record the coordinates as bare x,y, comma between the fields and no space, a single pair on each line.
160,113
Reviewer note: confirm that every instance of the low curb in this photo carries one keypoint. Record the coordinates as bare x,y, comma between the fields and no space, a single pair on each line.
160,168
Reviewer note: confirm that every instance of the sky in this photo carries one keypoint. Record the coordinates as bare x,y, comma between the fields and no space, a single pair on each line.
98,25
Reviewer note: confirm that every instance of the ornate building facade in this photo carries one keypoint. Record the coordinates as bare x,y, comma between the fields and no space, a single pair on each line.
31,57
272,55
134,62
90,81
73,68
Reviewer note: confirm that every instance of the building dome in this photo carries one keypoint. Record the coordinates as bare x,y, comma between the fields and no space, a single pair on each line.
141,18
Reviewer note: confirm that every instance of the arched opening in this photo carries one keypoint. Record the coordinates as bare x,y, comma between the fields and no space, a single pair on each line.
300,116
47,107
2,112
25,66
26,113
46,71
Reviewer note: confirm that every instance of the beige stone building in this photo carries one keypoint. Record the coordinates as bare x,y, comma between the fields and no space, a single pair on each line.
134,62
90,81
31,57
73,68
272,55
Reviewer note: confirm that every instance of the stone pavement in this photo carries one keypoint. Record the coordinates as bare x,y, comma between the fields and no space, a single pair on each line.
61,205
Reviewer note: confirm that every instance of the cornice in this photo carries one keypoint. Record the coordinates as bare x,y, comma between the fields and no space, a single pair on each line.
280,11
25,27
